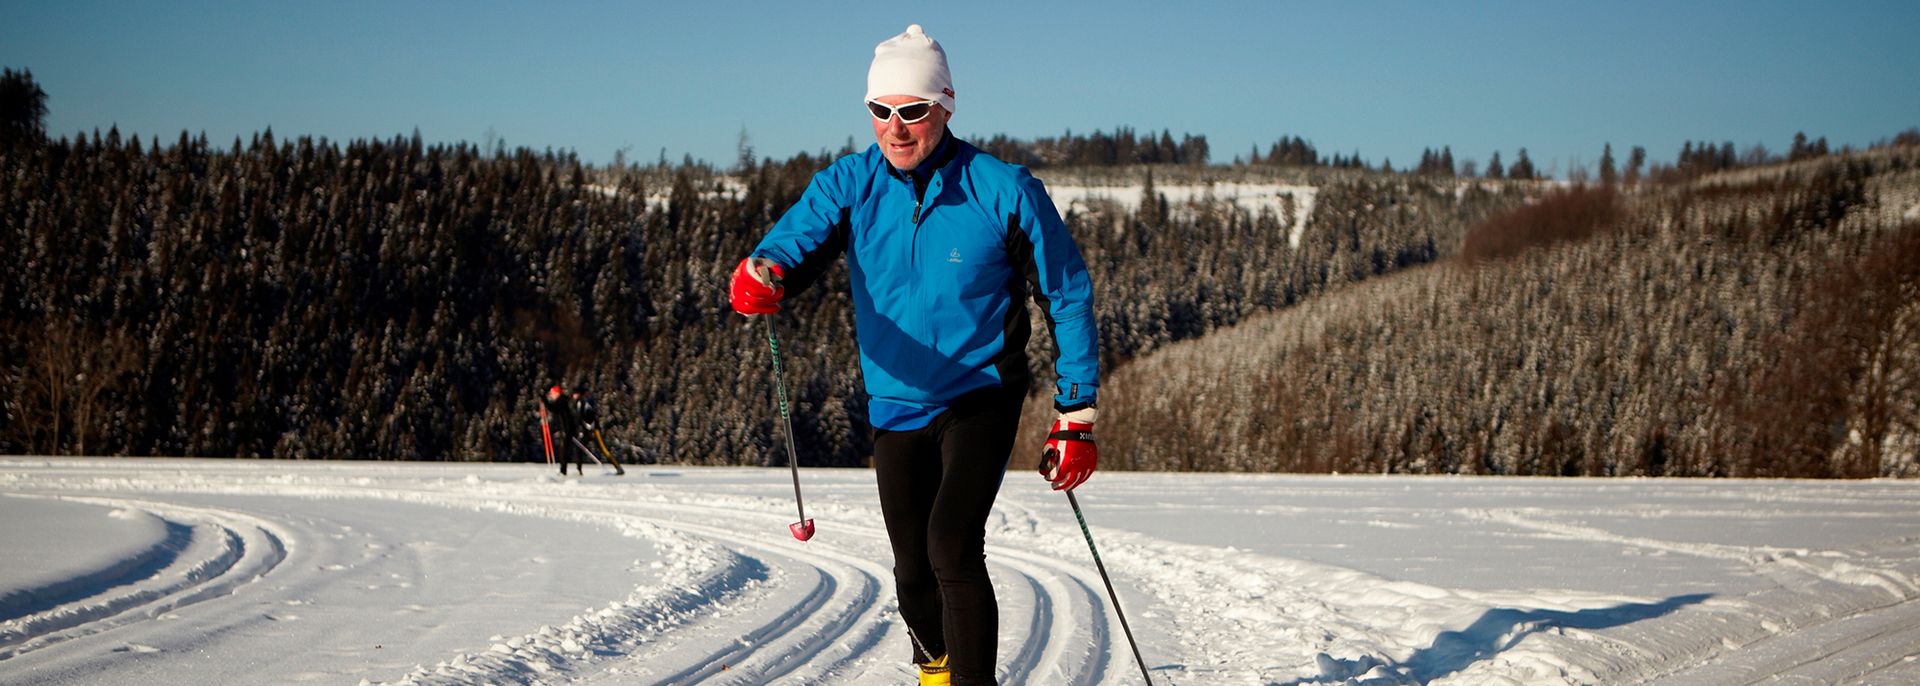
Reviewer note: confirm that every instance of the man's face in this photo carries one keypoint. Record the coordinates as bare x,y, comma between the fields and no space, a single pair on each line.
907,145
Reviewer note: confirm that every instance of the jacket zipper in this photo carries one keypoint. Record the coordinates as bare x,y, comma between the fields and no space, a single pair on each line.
913,186
913,252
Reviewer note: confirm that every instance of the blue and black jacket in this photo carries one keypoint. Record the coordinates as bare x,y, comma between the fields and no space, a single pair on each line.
943,259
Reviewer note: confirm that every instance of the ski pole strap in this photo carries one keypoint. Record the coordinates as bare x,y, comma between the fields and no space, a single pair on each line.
1071,435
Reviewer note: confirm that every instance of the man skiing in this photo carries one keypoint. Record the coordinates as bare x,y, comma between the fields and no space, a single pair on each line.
566,429
589,414
944,243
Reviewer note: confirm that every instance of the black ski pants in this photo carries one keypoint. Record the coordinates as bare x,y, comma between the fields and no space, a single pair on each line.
937,487
566,452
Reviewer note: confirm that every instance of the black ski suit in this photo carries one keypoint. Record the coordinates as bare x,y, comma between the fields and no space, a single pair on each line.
565,426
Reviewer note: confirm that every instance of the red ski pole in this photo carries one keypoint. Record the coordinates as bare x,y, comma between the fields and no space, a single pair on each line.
546,434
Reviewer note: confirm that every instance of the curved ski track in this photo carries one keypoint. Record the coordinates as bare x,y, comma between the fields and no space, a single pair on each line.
828,617
208,553
821,612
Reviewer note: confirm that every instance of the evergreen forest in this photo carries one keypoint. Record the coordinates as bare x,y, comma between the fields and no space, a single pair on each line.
389,299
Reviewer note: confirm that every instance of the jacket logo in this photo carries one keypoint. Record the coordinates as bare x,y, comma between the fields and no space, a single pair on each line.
954,256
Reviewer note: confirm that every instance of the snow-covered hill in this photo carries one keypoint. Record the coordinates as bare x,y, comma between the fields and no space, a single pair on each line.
195,572
1291,204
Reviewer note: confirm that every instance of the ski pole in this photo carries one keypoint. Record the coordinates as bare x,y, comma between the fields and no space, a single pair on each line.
583,448
1047,463
546,434
802,529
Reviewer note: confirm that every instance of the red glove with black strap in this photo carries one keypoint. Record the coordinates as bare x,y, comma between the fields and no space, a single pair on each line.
756,288
1070,455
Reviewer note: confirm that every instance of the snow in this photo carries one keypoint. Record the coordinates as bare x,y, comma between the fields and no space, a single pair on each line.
44,567
219,571
724,188
1252,197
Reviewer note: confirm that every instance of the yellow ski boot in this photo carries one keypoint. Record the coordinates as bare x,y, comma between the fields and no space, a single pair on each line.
935,673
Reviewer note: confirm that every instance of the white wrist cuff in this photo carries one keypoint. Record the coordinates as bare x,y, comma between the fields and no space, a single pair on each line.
1085,415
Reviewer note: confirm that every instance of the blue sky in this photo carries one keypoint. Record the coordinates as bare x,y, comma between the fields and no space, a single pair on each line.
1386,79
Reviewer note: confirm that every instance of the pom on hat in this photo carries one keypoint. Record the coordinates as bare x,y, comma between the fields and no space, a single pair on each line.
911,63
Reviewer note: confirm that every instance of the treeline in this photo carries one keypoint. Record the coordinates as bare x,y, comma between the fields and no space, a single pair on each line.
1694,159
1099,149
1699,158
1757,323
390,299
1294,151
1125,147
382,299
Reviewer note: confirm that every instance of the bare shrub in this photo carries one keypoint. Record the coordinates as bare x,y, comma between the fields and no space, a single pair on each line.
1570,215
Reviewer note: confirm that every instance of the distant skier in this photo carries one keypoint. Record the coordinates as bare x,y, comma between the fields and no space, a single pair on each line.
588,412
566,430
944,244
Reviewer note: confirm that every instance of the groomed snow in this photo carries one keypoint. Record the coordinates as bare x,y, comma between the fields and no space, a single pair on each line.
202,571
1251,197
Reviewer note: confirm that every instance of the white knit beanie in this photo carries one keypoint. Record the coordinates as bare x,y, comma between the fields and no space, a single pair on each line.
911,63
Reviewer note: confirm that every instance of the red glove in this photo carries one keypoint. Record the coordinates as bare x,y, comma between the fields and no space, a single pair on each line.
1070,455
756,286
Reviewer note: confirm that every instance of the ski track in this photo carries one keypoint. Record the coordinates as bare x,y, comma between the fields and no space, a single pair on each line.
802,612
823,612
160,555
208,553
799,643
1026,581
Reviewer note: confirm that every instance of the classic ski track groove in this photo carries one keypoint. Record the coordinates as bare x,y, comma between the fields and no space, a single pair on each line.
155,558
750,654
851,595
244,548
1048,631
1778,658
759,653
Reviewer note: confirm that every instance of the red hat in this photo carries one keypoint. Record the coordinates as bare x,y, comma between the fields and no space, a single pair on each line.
556,390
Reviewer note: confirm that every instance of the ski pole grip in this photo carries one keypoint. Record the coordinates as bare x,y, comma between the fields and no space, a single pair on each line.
1049,459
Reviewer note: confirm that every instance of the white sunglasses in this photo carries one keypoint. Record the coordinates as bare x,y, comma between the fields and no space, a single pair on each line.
909,112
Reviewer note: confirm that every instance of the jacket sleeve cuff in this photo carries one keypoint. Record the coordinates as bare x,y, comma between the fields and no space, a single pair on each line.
1077,410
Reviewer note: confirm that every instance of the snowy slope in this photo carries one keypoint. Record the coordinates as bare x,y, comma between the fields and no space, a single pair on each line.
192,572
1291,204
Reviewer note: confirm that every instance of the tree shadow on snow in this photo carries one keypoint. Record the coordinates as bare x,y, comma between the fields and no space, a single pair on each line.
1497,631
